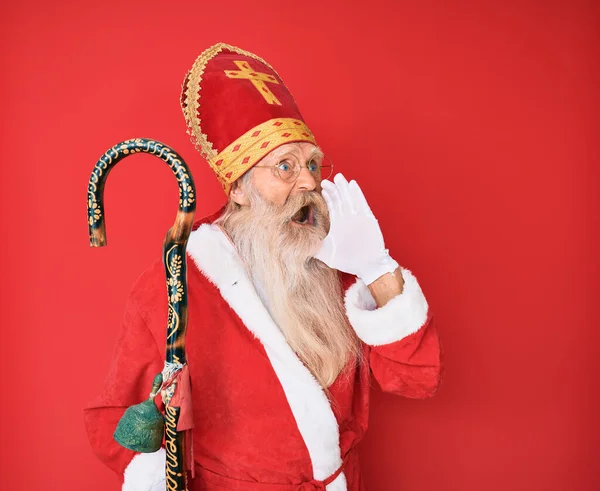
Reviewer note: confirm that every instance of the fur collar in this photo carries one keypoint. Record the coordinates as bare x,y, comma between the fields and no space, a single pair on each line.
215,256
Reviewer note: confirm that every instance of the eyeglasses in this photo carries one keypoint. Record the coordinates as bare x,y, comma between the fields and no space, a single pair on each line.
288,168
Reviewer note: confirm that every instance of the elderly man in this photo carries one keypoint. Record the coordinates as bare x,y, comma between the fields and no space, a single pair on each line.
293,303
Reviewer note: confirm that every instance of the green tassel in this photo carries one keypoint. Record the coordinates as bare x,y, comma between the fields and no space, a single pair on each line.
142,427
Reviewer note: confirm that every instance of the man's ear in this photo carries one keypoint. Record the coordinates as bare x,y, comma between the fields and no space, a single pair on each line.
238,194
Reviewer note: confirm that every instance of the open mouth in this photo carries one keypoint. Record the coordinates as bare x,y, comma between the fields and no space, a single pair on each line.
304,216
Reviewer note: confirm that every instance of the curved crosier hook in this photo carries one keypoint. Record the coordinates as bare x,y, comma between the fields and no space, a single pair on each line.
132,431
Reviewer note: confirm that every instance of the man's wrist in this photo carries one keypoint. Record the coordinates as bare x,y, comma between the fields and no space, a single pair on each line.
386,287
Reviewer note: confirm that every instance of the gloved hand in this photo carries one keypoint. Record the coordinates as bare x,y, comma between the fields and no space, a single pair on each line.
146,472
159,486
354,244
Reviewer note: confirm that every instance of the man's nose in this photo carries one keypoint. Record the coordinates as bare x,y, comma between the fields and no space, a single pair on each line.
306,181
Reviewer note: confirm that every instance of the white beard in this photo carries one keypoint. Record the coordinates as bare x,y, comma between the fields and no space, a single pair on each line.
303,295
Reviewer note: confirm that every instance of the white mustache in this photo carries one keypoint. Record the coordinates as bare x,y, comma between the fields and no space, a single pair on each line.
295,203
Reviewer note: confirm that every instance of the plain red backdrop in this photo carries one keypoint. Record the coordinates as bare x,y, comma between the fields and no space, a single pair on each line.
473,130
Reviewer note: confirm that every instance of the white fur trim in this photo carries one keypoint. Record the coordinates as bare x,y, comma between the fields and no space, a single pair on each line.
145,472
338,484
218,260
401,316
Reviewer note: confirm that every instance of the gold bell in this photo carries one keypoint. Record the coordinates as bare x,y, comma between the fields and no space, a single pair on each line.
142,427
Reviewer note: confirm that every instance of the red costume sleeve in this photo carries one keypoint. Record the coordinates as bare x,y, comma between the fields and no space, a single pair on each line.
134,365
404,349
410,367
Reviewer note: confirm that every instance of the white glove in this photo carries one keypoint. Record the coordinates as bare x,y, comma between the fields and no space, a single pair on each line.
146,472
354,244
159,486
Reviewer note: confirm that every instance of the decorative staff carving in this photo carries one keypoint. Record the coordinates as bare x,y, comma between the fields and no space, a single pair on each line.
142,426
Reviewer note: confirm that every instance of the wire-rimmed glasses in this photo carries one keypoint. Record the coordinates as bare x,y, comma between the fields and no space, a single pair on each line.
288,167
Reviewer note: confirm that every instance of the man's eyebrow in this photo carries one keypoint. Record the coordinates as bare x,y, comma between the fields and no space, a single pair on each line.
317,152
278,153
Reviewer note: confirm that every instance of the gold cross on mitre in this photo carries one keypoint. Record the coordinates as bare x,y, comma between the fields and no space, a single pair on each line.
258,79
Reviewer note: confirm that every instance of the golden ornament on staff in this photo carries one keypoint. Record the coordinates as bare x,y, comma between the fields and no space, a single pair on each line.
142,426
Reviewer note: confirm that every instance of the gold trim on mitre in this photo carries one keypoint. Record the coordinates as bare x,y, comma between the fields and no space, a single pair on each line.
248,149
191,93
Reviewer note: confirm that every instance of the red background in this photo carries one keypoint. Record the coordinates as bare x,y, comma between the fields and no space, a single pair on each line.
473,131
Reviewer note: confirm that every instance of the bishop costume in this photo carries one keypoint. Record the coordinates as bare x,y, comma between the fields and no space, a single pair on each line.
262,422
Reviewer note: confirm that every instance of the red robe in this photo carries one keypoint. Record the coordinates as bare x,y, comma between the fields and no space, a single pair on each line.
262,421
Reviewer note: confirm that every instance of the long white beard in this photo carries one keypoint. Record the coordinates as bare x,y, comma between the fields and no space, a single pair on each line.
304,296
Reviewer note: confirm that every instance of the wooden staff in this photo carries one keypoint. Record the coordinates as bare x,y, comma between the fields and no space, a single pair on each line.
174,260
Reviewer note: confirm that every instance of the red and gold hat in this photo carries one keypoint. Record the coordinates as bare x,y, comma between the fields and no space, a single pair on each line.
237,110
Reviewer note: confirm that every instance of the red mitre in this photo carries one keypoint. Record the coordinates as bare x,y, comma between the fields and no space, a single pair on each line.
237,110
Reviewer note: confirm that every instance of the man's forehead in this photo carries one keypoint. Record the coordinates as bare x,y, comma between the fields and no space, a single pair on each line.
299,149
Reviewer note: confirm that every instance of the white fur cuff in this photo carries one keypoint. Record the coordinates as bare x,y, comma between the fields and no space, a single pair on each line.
401,316
145,472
